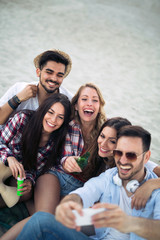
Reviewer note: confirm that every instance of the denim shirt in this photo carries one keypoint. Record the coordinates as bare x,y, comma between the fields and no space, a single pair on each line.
103,189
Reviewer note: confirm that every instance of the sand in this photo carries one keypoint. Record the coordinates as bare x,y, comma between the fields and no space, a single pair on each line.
114,44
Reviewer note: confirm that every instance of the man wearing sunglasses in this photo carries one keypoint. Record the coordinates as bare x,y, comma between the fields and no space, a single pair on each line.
113,191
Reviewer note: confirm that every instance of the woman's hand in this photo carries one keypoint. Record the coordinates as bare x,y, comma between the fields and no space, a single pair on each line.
143,193
27,187
70,165
16,167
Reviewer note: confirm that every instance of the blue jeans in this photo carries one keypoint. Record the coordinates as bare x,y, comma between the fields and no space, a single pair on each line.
67,182
43,226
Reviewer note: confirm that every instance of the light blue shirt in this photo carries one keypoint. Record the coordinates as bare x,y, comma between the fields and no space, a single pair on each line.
103,189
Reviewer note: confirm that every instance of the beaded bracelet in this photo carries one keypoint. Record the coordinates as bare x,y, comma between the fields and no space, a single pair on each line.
14,102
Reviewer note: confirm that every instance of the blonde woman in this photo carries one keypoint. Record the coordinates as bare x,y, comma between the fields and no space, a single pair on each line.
86,119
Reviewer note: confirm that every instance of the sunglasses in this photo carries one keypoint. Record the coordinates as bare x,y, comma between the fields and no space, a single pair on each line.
132,156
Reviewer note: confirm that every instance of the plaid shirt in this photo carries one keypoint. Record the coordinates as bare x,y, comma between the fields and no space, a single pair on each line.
74,144
10,144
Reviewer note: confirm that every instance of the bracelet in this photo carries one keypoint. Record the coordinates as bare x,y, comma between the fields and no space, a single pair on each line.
14,102
11,104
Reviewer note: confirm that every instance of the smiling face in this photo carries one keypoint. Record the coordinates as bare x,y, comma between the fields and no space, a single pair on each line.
54,118
88,105
51,76
107,142
128,169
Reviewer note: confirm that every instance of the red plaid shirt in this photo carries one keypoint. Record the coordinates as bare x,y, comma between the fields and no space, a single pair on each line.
74,146
74,143
10,144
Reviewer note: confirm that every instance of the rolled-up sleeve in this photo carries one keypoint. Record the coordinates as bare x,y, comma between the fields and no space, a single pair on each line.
92,190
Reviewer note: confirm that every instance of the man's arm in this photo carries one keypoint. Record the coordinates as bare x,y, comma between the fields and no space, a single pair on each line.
114,217
5,112
146,228
72,197
8,108
144,192
156,170
64,212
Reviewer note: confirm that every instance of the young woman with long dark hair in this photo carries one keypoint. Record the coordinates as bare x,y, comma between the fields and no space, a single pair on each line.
86,120
101,158
32,141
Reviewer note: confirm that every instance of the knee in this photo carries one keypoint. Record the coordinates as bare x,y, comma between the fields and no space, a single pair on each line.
38,225
42,215
43,218
46,179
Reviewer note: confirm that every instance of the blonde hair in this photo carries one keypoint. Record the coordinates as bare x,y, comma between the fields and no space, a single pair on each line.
101,117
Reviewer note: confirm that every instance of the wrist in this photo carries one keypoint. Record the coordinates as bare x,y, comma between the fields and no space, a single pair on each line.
63,163
132,224
20,97
14,102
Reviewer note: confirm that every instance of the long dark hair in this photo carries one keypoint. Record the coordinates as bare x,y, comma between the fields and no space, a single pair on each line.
33,131
97,164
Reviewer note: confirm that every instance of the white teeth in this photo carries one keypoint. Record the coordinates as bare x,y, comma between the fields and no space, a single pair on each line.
51,84
50,124
125,167
103,150
88,110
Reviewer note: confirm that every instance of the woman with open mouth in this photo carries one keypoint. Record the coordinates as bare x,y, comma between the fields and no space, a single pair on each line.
71,176
87,118
86,121
103,158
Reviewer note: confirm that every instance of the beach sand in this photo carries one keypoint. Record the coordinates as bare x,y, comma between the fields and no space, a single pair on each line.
114,44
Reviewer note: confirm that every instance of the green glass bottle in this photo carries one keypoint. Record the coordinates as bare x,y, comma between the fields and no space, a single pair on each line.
83,160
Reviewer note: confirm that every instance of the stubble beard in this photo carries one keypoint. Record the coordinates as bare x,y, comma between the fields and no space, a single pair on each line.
50,91
132,175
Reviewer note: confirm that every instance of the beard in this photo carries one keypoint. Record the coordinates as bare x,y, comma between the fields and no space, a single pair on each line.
49,90
133,173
